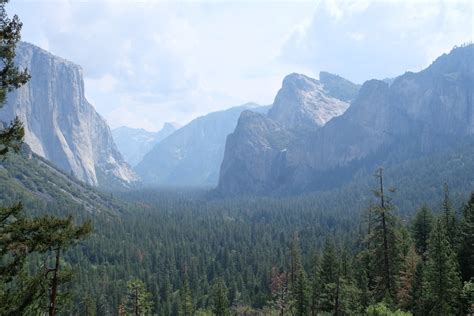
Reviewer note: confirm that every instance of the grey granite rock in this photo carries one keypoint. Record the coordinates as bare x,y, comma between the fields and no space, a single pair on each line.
417,114
192,155
60,124
304,102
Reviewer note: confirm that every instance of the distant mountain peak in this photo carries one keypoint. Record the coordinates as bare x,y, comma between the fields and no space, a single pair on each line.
303,101
135,143
192,155
170,126
299,81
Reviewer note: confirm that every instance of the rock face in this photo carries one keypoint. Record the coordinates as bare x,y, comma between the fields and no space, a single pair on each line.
60,124
192,155
254,154
255,159
134,143
418,114
339,87
304,102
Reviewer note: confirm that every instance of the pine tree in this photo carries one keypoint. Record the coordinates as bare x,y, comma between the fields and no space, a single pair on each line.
18,290
443,284
384,245
316,289
406,279
10,77
13,254
220,300
279,291
349,296
11,258
138,301
20,237
329,277
349,300
56,235
362,282
449,218
299,281
422,226
165,296
186,299
466,247
418,289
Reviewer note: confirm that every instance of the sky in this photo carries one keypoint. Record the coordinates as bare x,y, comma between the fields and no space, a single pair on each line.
148,62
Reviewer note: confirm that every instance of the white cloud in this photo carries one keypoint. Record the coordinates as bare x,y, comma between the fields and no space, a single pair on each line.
378,39
106,83
147,62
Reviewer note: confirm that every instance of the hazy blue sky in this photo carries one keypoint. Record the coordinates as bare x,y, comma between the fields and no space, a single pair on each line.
147,62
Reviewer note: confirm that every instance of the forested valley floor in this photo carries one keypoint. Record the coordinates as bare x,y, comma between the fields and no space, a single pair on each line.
344,252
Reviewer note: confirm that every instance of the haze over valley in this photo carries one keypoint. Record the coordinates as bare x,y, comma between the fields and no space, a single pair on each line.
267,158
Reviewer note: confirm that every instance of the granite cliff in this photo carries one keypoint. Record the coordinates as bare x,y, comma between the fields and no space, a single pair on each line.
60,124
418,114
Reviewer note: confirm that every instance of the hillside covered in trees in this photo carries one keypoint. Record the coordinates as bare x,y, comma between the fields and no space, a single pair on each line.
189,253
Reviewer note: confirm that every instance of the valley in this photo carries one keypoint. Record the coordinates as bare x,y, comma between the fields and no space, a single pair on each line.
161,179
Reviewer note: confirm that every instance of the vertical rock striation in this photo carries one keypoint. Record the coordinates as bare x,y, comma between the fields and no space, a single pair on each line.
60,124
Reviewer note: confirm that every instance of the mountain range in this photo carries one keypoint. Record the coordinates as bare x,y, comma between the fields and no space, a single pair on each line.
318,134
191,156
305,146
134,143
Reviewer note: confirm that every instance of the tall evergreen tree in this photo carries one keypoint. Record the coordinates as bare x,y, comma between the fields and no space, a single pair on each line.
18,290
349,298
418,294
466,245
165,295
138,301
348,295
449,217
22,236
299,284
56,235
11,137
422,226
406,279
443,284
220,300
329,277
384,244
11,77
316,286
363,285
186,298
279,291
